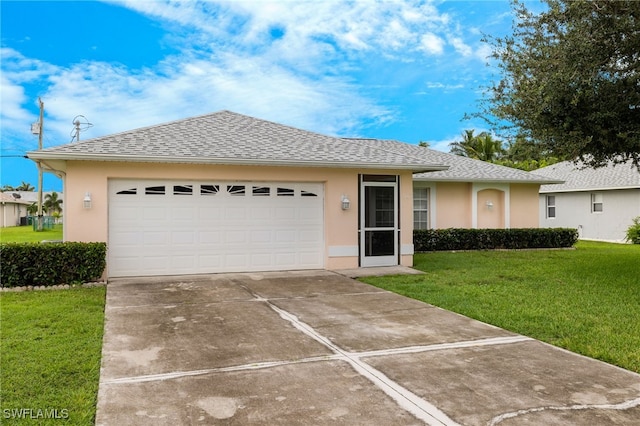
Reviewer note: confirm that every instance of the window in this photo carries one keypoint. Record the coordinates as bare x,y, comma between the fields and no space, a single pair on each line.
285,192
236,190
132,191
261,191
596,203
551,206
420,208
209,189
304,193
182,189
154,190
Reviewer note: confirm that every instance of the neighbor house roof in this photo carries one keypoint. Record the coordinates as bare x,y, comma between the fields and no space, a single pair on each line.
10,197
229,138
578,177
461,169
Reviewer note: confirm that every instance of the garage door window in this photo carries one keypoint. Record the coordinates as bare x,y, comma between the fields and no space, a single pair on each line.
154,190
182,189
263,191
132,191
285,192
209,189
236,190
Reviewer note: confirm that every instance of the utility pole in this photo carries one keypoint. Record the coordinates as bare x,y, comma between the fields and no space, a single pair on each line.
40,132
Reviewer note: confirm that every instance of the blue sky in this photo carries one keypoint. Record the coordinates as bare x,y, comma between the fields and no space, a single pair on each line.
404,70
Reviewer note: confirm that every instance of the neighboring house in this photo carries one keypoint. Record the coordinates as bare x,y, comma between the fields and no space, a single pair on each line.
470,193
12,208
600,203
226,192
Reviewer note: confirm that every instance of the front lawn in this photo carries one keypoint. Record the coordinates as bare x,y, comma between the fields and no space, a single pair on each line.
50,355
26,234
585,300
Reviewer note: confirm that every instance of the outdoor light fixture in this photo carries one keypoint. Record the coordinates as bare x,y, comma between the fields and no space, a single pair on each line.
489,205
346,203
86,202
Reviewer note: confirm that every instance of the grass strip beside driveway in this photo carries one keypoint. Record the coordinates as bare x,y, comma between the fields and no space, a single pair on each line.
585,300
51,343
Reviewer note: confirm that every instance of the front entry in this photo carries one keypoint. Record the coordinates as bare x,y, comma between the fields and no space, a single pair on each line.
379,220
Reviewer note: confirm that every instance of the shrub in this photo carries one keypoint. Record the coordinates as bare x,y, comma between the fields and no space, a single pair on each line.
37,264
633,232
489,239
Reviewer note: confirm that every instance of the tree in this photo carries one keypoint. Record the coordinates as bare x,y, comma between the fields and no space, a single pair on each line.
424,144
7,188
25,186
481,147
52,203
32,209
570,80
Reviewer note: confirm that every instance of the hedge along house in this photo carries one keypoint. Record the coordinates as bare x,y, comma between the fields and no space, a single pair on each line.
470,193
226,192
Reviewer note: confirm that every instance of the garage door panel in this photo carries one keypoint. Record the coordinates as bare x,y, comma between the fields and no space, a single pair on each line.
205,227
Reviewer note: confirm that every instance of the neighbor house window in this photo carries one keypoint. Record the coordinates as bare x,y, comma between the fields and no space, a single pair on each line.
596,203
551,206
420,208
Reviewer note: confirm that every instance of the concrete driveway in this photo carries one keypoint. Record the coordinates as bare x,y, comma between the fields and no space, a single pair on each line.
320,348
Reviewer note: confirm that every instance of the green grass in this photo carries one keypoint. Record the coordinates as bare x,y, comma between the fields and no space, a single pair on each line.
26,234
50,354
585,300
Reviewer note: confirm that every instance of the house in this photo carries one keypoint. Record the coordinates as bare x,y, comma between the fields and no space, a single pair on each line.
469,193
12,208
225,192
600,203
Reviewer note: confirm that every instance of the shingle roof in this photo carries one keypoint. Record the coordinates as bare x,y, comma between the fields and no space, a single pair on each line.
580,178
461,169
229,138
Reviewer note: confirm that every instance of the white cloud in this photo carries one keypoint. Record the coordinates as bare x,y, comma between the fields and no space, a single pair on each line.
228,59
431,43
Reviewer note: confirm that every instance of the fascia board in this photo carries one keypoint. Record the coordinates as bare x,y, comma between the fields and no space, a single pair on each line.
416,168
612,188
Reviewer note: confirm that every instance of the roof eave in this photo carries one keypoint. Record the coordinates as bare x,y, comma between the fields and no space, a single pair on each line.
609,188
415,168
491,180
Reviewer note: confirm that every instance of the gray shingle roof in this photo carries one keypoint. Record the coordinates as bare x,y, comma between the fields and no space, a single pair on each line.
229,138
579,178
461,169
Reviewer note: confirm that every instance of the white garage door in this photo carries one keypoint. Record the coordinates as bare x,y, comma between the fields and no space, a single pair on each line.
179,227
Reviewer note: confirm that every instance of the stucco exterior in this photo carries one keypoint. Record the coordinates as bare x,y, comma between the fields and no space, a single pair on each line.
481,204
10,213
574,210
341,226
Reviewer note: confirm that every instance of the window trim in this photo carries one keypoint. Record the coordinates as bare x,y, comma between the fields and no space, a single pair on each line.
427,210
597,199
549,206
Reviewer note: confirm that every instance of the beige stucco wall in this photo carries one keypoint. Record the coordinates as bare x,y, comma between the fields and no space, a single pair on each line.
464,205
491,216
524,206
341,227
453,205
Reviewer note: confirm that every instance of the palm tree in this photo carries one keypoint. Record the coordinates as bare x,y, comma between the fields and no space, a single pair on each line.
481,147
52,203
25,186
32,209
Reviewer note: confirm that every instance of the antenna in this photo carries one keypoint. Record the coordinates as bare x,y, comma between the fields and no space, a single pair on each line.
80,124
